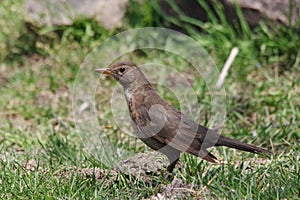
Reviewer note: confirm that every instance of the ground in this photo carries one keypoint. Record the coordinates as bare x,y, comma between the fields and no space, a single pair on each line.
42,154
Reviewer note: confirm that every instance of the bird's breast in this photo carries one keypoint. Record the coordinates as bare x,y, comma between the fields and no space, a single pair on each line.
133,103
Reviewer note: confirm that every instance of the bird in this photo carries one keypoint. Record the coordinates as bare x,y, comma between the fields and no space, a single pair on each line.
161,126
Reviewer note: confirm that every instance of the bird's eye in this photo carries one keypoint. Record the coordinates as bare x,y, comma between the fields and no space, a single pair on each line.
122,69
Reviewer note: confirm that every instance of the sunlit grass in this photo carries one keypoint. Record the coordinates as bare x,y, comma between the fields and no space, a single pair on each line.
42,155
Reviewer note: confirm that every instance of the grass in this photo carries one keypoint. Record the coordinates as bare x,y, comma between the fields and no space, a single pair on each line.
42,156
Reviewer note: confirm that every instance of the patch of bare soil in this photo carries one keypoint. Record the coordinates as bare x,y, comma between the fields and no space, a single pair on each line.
139,168
175,190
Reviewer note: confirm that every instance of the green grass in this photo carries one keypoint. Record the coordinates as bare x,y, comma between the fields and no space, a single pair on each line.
42,159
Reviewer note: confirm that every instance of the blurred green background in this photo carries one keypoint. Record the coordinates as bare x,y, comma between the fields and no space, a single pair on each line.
41,152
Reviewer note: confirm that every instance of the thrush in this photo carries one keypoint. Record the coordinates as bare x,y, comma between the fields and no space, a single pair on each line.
161,126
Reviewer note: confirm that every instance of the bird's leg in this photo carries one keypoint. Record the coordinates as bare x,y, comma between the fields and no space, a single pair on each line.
170,169
169,176
172,165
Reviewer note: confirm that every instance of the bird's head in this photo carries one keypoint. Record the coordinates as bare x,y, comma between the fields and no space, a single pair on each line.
126,73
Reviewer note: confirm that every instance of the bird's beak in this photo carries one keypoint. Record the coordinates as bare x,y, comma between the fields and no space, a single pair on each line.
103,71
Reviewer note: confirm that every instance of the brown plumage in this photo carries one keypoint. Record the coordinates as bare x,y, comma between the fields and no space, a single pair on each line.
161,126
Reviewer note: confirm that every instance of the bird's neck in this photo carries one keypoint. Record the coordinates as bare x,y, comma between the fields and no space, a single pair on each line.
139,88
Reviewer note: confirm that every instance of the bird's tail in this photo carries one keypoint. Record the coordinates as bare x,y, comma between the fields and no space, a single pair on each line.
232,143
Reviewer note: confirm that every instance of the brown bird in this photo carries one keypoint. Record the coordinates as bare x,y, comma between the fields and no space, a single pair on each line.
161,126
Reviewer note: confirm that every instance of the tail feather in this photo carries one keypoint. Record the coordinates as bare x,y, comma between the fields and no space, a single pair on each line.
203,153
232,143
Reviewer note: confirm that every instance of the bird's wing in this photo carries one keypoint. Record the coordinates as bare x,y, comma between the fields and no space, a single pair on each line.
169,126
187,138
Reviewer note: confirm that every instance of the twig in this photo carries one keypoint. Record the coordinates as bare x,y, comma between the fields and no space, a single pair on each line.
272,146
268,121
59,121
226,67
